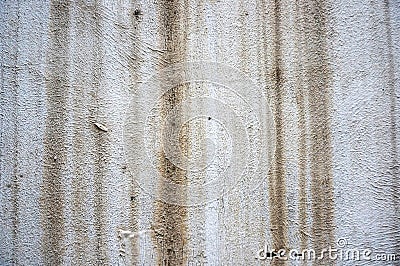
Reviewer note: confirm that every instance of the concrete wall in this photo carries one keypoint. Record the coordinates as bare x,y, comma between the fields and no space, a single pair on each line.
193,132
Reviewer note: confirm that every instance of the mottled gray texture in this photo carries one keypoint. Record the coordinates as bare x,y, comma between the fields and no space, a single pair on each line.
71,73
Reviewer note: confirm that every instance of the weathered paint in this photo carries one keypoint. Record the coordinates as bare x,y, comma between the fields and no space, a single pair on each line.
71,68
170,221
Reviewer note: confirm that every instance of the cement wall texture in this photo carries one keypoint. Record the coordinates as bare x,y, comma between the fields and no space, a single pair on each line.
200,132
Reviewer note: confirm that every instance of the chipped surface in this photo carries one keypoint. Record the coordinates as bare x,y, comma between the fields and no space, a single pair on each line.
101,127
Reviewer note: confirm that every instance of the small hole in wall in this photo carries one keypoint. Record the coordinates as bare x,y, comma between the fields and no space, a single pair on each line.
137,13
132,198
209,118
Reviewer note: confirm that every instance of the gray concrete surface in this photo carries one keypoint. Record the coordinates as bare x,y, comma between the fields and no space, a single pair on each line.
198,132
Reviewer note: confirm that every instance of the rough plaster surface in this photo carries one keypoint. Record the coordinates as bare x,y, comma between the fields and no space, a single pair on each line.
85,147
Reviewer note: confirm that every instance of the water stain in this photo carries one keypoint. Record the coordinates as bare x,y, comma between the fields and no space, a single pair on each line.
171,220
318,78
57,87
277,180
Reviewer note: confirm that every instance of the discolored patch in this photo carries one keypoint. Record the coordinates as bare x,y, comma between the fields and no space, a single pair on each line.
170,221
57,87
318,78
277,180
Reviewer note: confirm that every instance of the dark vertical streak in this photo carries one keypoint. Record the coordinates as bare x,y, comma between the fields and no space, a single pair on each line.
171,219
394,168
277,184
318,76
57,86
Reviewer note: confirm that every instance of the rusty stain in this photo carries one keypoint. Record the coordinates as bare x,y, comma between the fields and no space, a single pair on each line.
172,219
57,86
277,182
